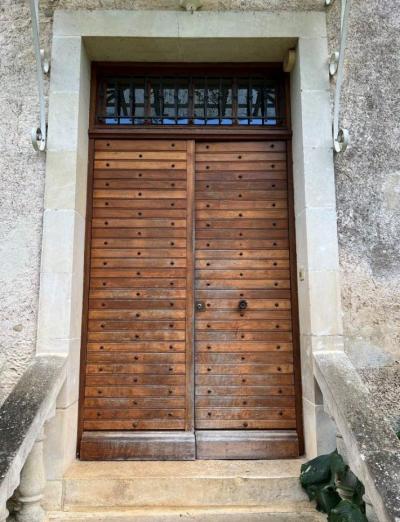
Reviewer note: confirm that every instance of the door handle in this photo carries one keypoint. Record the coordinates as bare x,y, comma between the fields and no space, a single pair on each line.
242,304
200,306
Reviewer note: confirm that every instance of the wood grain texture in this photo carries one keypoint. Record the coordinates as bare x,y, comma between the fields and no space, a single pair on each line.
244,358
174,222
140,288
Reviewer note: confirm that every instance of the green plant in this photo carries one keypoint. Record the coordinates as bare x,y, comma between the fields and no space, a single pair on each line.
335,489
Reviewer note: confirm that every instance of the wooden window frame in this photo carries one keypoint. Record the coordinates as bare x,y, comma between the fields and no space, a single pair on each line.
234,131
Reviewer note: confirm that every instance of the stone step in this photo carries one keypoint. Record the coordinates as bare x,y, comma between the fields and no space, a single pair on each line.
259,514
193,484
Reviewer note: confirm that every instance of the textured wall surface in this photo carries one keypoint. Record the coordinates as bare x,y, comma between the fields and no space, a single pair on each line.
368,175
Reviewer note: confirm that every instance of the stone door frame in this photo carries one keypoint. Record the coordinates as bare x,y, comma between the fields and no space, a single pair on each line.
157,36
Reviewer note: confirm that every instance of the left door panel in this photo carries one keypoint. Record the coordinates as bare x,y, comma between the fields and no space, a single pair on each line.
137,399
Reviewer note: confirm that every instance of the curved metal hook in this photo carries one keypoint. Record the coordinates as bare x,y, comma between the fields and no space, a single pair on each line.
39,135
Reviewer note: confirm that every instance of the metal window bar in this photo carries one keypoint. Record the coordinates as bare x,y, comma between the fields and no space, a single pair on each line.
268,107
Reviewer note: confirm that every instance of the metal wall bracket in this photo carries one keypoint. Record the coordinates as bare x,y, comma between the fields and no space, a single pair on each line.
39,134
341,137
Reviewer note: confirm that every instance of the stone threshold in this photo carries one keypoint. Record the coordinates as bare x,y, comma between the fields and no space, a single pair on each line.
90,470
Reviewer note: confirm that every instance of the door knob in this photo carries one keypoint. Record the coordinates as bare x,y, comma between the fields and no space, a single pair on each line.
242,304
200,306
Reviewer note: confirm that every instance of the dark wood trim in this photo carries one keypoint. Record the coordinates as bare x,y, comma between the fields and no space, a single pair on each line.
190,226
145,445
93,96
86,283
186,68
205,133
294,300
246,445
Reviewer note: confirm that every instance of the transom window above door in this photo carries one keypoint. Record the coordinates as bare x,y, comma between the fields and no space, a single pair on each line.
181,96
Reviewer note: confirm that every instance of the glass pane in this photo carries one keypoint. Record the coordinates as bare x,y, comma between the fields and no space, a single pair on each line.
243,102
124,102
226,102
138,101
199,101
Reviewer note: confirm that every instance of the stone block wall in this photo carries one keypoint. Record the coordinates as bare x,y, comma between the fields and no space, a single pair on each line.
367,175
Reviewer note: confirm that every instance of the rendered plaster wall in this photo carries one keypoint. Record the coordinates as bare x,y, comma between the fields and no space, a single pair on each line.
367,176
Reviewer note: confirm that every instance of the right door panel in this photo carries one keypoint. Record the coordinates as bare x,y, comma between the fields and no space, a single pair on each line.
244,361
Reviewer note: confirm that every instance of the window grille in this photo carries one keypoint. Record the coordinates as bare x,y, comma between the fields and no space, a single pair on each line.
190,100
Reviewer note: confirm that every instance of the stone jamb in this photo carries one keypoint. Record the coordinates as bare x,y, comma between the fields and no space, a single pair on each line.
80,36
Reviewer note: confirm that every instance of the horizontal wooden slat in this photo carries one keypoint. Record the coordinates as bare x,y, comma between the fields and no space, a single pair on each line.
107,243
215,166
129,304
141,213
138,223
140,293
263,379
238,157
245,214
242,369
139,253
239,204
212,401
236,283
233,347
138,233
107,325
243,357
142,194
245,175
158,424
126,315
137,263
233,274
276,248
214,186
158,402
147,347
145,358
238,233
240,222
244,264
141,155
130,413
247,294
142,203
140,164
129,184
244,253
250,424
125,336
126,282
155,145
134,380
160,174
139,272
149,369
234,335
248,195
134,391
253,146
243,391
245,315
244,413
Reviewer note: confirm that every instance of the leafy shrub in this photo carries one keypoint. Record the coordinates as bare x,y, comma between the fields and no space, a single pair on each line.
325,479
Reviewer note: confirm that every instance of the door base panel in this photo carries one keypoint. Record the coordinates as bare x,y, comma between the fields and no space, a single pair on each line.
254,444
145,445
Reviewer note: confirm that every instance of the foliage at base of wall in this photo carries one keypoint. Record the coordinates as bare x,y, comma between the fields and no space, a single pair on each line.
336,490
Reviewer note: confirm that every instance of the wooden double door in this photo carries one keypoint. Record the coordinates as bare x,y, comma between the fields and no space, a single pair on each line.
190,346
